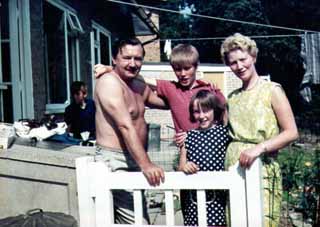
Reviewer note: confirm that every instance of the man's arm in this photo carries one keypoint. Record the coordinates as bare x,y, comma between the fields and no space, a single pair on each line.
100,70
152,101
111,98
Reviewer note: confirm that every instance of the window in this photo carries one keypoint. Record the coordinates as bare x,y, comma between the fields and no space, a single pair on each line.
61,30
100,46
74,22
5,70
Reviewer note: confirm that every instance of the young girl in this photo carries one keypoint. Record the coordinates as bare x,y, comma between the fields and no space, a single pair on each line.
204,150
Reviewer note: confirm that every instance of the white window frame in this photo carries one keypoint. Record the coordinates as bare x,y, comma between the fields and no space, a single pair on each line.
74,22
70,17
20,58
95,44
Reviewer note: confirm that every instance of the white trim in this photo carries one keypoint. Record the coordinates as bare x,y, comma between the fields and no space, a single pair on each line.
69,18
61,5
56,108
2,87
66,55
96,44
75,25
78,60
20,55
92,49
27,61
101,28
15,59
1,41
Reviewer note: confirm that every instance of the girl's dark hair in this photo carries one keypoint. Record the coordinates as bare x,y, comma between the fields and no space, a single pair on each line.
208,101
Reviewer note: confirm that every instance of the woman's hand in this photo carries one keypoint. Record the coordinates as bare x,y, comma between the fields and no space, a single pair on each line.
100,69
248,156
190,168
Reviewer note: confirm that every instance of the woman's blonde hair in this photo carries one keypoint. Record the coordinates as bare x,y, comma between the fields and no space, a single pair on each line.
238,41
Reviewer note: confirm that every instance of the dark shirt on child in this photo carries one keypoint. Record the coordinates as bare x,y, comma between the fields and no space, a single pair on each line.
81,119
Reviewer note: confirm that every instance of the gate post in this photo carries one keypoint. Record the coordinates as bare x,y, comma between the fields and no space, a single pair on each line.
254,194
86,202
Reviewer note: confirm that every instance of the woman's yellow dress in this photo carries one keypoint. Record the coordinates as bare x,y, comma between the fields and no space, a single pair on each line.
252,121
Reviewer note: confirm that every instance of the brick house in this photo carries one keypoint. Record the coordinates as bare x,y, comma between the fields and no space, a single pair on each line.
47,44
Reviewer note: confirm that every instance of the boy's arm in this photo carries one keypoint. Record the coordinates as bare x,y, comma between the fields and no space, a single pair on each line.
151,82
152,100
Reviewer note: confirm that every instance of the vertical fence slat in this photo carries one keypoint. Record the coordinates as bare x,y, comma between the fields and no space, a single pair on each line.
202,211
104,199
237,192
169,207
85,201
138,214
254,192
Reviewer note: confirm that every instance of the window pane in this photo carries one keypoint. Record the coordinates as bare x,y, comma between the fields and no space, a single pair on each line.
7,105
6,70
105,49
72,59
55,54
4,18
74,22
96,56
95,32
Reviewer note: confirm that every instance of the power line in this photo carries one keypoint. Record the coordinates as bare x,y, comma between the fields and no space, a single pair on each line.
211,17
222,38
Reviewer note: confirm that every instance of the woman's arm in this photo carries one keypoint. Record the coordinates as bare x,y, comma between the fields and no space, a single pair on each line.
288,129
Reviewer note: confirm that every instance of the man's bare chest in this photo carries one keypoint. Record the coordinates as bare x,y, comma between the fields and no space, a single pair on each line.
135,104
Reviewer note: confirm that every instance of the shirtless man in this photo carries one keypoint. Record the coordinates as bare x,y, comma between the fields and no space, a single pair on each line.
121,130
120,98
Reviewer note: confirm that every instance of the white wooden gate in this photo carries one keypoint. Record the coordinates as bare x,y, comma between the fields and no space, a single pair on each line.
95,183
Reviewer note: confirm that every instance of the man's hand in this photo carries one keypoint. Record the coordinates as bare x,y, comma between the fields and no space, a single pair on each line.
190,168
179,138
100,69
154,174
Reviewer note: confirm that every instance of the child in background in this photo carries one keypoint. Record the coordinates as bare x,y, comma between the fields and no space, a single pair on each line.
204,150
80,114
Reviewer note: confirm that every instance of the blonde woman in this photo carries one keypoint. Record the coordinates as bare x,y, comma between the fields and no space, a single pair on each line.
260,121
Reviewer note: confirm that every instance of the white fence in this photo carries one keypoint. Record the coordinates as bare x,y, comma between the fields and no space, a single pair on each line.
95,183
